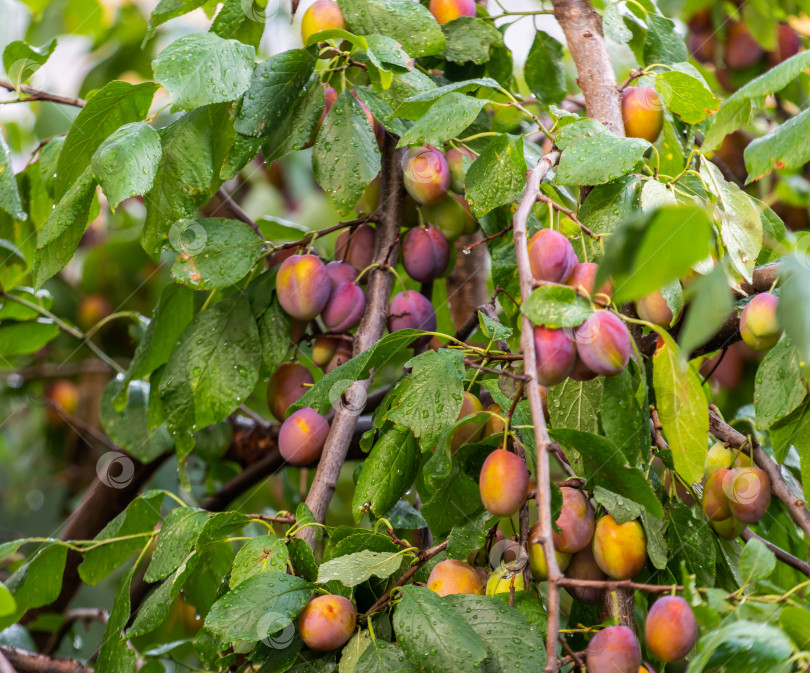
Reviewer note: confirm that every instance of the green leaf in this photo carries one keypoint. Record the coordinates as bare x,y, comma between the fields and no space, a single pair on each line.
194,150
155,609
275,84
446,119
381,110
457,499
125,164
663,44
273,322
26,337
259,606
346,156
37,582
784,147
469,536
556,307
779,387
794,431
434,636
593,155
657,548
417,105
544,71
470,39
644,241
682,408
407,22
220,526
492,329
686,96
215,252
404,516
137,520
627,424
21,60
497,176
607,467
711,302
430,397
796,623
203,68
692,542
9,192
740,224
213,368
381,657
239,21
794,279
608,205
297,129
262,554
757,561
111,107
512,646
387,474
8,605
114,654
129,426
575,404
743,646
353,569
176,540
169,9
619,507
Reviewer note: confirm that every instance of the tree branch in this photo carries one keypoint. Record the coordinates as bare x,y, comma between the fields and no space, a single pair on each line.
535,177
30,662
380,282
36,94
787,558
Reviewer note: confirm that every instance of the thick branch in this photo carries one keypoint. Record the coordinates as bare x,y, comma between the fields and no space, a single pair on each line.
794,504
29,662
541,438
371,328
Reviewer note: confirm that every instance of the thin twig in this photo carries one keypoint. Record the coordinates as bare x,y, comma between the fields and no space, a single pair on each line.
273,518
498,372
228,204
491,237
784,556
570,213
36,94
322,232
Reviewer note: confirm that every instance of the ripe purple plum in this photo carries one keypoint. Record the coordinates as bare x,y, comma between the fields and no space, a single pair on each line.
412,310
455,577
471,430
340,272
788,43
504,483
584,276
342,355
303,286
576,521
426,175
425,254
620,550
748,490
583,567
716,505
551,256
447,10
321,15
327,622
742,50
302,436
356,246
759,326
556,355
614,650
344,308
581,371
642,112
455,161
287,384
603,343
671,629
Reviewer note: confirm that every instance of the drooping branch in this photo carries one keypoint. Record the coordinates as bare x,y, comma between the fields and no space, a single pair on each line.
380,282
541,438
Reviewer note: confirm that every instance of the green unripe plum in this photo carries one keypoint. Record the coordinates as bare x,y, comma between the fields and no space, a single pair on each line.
302,436
287,384
455,577
327,622
576,521
356,246
321,15
719,455
748,490
551,256
501,580
537,556
730,528
471,430
369,200
654,308
642,112
671,629
447,10
583,567
455,161
451,216
614,650
303,286
620,550
504,482
426,175
759,326
556,355
715,503
603,343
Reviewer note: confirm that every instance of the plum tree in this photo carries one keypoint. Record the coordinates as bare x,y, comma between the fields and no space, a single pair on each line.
583,566
642,112
356,246
302,436
321,15
303,286
556,355
614,649
327,622
455,577
603,343
670,629
503,483
620,550
412,310
286,385
447,10
576,522
759,325
425,253
426,175
551,256
344,308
